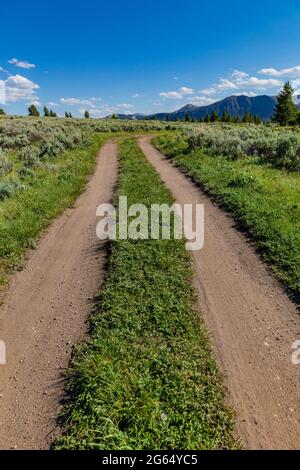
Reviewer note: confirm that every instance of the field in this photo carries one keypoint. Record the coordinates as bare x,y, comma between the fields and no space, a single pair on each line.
44,164
148,374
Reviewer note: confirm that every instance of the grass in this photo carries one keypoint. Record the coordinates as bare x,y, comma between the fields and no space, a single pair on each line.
46,193
146,378
264,201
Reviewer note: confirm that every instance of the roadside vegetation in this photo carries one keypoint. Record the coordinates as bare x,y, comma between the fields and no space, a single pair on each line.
44,163
146,378
239,167
32,196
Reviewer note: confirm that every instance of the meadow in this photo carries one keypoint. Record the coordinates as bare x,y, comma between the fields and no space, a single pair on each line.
44,165
146,377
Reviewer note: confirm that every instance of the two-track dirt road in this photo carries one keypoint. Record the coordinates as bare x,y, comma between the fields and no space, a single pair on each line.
44,314
251,321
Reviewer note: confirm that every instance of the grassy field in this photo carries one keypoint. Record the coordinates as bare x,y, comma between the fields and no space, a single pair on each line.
146,378
264,201
42,194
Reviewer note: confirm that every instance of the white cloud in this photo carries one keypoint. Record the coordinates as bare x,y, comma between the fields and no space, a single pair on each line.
259,82
171,94
124,106
251,94
287,72
136,95
209,91
78,101
53,104
20,88
238,74
3,70
177,95
184,90
23,64
35,103
224,84
238,80
71,101
201,100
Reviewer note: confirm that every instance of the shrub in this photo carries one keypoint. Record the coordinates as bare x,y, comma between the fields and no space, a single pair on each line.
5,165
9,187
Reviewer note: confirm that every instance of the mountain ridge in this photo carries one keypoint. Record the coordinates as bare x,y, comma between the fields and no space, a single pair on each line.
236,105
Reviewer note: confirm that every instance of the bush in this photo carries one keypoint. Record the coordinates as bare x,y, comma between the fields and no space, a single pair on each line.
5,165
9,187
29,156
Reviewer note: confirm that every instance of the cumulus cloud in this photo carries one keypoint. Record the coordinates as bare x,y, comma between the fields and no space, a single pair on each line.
238,74
178,94
171,94
20,88
82,102
136,95
223,85
259,82
251,94
23,64
238,80
201,100
287,72
184,90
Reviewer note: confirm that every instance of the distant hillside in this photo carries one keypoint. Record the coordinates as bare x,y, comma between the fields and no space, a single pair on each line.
262,106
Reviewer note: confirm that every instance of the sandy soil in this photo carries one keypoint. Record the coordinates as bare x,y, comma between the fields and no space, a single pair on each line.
44,314
251,321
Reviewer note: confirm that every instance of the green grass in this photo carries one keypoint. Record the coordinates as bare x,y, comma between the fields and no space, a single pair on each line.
146,378
46,193
264,201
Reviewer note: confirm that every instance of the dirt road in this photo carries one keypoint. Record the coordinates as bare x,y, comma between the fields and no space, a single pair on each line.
44,314
251,321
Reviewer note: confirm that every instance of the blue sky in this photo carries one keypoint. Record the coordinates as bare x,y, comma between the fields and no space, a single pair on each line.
134,56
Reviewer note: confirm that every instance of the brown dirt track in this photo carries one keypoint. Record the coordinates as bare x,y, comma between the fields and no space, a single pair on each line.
44,314
251,321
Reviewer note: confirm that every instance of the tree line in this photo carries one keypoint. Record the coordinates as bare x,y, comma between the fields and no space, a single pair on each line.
33,111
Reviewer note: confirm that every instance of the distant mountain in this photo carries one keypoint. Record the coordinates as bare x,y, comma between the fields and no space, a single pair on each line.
262,106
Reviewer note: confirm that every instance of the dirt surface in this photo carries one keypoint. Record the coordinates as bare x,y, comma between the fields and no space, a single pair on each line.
251,321
44,314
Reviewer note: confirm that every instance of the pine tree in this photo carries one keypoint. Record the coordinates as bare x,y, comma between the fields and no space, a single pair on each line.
46,112
86,114
214,116
2,112
285,109
52,113
187,118
225,116
33,111
114,116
